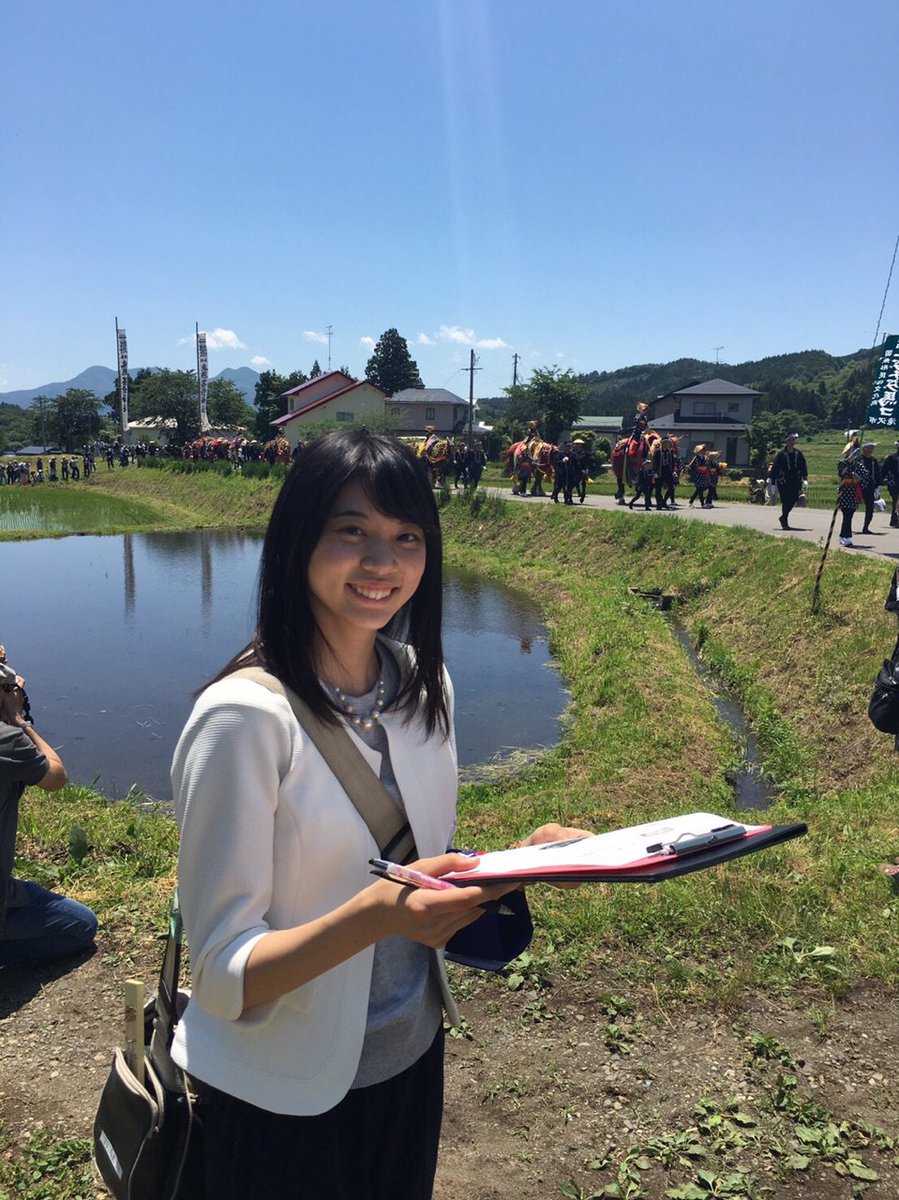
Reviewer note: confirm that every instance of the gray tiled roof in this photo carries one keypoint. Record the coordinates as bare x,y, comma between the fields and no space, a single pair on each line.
429,396
715,387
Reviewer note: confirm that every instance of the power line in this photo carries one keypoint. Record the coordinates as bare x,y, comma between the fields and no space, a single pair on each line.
885,293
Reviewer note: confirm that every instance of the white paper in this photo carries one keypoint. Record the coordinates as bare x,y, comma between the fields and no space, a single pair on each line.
618,848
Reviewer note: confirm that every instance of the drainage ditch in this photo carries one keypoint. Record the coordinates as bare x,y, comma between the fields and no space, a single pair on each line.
751,791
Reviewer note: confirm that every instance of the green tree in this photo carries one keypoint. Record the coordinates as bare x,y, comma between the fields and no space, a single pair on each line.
39,417
269,401
15,427
112,399
225,404
316,370
552,397
391,367
69,420
766,435
172,396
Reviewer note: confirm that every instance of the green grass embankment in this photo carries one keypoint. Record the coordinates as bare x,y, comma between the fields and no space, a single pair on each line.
137,499
642,740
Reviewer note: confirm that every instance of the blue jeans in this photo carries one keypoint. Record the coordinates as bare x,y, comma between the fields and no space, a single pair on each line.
41,926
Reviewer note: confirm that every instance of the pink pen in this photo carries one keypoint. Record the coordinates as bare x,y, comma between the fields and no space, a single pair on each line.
401,874
397,873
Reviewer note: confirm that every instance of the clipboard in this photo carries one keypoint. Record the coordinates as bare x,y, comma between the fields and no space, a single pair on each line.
699,860
654,863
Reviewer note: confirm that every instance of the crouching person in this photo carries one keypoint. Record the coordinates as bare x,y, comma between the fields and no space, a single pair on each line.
36,925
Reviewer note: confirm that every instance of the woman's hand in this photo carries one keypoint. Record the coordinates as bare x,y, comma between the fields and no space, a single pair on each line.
427,916
551,833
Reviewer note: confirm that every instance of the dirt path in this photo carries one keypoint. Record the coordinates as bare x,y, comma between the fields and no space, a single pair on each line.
552,1079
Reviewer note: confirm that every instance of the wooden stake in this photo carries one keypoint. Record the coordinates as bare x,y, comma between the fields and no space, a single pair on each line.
134,1027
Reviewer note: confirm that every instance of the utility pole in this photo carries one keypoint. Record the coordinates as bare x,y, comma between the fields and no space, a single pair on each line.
515,370
716,349
471,370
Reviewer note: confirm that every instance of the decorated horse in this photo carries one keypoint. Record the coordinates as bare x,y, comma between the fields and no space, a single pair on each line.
437,454
541,457
628,456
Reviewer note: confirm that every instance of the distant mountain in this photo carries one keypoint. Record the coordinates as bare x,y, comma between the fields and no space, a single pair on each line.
244,379
99,380
102,380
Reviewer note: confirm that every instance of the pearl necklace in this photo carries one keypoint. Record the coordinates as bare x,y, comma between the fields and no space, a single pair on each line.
362,720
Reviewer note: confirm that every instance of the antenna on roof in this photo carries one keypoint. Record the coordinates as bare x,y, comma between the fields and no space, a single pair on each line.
716,349
330,331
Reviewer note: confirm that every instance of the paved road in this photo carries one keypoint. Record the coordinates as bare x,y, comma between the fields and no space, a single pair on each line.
811,524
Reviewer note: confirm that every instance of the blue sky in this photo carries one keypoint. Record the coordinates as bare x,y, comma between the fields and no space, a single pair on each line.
589,184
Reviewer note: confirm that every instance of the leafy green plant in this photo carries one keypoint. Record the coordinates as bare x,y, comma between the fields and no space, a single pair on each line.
45,1169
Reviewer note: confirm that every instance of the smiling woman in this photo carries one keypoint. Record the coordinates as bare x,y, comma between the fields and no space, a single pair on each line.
315,1020
363,571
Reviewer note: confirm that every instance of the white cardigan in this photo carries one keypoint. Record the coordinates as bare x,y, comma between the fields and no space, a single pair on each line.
269,840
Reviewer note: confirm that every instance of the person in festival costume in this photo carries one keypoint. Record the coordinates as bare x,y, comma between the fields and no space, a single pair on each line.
663,465
431,438
586,465
677,468
523,470
698,470
868,471
889,477
314,1030
644,485
716,466
789,472
640,422
849,492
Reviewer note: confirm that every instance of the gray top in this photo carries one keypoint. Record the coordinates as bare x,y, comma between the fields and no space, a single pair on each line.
21,763
404,1006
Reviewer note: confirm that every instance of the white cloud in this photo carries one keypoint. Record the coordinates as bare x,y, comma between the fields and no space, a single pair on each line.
224,339
424,340
467,337
216,339
259,360
311,336
368,342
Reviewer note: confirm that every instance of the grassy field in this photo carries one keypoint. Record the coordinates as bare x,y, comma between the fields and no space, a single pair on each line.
805,921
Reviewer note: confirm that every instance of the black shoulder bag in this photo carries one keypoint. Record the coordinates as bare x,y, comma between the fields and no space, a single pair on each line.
147,1133
883,707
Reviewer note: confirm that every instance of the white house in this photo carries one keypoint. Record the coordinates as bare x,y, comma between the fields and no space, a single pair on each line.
333,396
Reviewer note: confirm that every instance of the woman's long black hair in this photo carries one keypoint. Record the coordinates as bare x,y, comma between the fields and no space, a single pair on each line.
396,483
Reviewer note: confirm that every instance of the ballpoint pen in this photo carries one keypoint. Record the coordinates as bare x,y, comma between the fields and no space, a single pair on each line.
409,877
688,842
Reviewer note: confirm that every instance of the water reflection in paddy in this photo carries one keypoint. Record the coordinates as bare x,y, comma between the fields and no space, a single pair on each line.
114,634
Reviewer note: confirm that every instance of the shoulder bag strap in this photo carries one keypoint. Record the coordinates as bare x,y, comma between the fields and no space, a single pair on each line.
373,802
167,993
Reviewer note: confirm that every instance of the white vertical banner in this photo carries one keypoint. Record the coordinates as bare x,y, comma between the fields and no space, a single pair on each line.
122,347
202,378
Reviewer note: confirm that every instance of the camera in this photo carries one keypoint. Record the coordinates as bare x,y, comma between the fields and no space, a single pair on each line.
9,683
